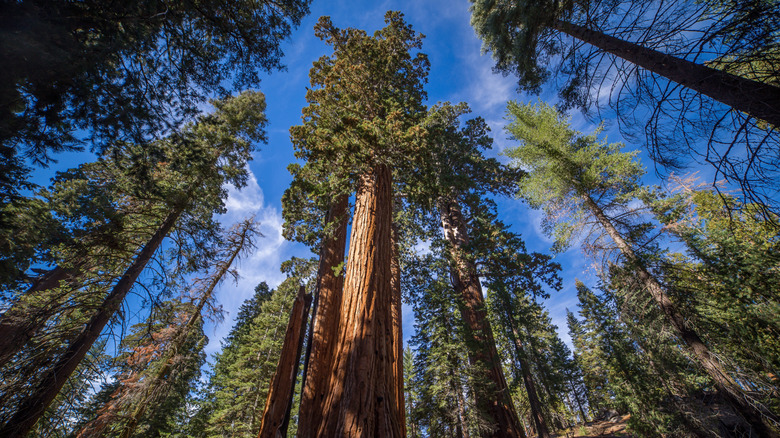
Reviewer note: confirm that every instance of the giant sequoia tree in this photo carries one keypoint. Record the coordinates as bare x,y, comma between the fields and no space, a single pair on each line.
653,63
577,180
362,119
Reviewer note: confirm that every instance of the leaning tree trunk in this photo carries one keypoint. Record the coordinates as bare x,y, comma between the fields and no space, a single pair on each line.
483,352
325,316
32,407
280,395
756,99
183,333
361,401
528,381
758,418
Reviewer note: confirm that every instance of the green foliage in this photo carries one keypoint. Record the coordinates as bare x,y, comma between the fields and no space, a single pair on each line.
566,168
130,70
238,386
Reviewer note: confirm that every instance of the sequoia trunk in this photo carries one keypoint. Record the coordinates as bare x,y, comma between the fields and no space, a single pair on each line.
398,348
483,353
361,400
698,349
33,406
756,99
325,318
280,395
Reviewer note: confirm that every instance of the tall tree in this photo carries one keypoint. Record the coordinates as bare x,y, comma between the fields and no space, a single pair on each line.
362,117
577,178
190,172
171,357
238,388
455,170
131,71
653,62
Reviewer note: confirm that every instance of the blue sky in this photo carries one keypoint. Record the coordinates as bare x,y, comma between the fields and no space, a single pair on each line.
459,72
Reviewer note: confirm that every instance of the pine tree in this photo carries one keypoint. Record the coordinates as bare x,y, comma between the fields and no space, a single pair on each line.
576,178
187,174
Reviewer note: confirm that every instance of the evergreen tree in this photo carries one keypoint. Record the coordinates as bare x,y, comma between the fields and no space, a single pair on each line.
238,388
183,174
576,178
642,59
362,118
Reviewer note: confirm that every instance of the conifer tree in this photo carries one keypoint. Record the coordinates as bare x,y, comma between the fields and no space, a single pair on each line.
576,179
362,117
238,388
185,173
663,67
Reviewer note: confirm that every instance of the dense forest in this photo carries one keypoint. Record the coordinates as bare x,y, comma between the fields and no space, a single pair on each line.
590,250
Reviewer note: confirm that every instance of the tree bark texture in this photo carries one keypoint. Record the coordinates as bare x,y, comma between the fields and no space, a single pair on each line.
361,401
759,419
464,279
280,395
33,406
325,318
398,337
756,99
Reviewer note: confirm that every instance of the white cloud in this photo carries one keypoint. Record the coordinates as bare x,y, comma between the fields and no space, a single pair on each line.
261,265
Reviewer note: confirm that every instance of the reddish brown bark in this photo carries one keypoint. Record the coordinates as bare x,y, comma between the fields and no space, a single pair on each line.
280,395
33,406
759,419
324,329
362,397
463,274
757,99
398,337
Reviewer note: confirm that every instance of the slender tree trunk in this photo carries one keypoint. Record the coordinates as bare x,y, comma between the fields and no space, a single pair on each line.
361,401
530,387
325,317
398,337
180,338
483,353
756,99
577,399
33,406
696,346
280,394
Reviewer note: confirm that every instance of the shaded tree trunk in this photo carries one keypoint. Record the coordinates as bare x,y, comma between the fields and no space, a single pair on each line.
696,346
325,317
530,387
21,321
577,399
483,352
398,337
361,401
33,406
756,99
280,395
